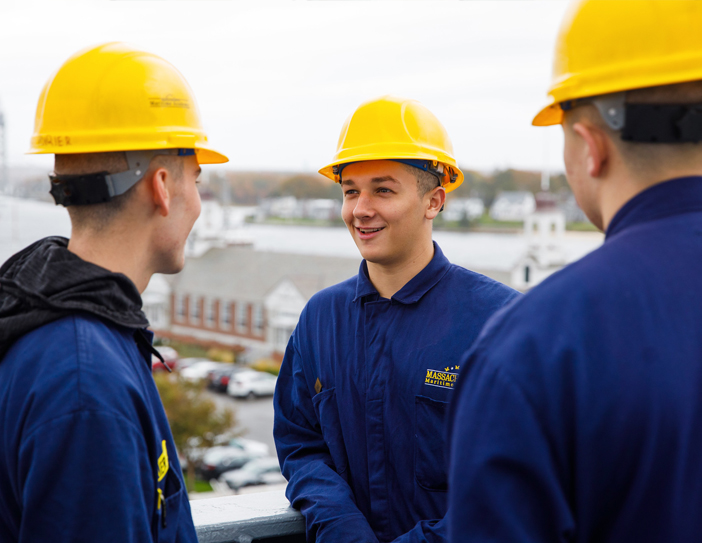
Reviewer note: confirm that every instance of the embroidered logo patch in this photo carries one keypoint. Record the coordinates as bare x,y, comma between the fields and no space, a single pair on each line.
445,378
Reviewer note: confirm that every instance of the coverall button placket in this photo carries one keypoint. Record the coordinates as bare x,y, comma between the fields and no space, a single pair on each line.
377,368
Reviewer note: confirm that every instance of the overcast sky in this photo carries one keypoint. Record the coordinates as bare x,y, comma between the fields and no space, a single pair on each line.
275,80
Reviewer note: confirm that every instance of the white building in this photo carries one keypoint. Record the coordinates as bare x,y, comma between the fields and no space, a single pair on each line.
459,208
544,230
289,207
513,206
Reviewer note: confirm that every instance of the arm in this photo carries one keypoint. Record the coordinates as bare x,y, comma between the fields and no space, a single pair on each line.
85,476
508,477
315,487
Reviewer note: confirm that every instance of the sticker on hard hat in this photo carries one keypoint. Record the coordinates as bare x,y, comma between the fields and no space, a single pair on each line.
47,140
169,101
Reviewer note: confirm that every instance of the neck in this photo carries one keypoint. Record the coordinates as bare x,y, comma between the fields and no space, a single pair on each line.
613,196
390,278
118,251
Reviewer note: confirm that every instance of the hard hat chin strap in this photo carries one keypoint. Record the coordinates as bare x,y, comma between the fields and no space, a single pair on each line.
646,123
96,188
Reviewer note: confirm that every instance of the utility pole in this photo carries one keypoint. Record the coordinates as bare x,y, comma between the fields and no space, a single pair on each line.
545,174
4,175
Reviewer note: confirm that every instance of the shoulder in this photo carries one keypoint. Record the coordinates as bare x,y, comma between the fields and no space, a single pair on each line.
560,312
77,363
338,295
467,284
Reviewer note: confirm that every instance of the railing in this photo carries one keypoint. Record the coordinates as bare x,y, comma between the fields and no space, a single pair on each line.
266,517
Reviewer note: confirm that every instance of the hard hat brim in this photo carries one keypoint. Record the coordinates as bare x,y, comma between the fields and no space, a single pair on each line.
209,156
548,116
328,170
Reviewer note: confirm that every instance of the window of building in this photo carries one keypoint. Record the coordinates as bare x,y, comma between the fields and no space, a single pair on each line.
195,309
241,316
281,337
225,315
180,306
258,319
210,312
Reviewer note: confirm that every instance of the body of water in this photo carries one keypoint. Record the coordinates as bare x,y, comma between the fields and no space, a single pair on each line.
25,221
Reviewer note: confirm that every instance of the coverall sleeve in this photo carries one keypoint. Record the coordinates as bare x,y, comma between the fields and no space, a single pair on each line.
509,478
82,480
314,487
429,531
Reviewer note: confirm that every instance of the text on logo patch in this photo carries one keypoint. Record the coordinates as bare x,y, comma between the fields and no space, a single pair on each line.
445,378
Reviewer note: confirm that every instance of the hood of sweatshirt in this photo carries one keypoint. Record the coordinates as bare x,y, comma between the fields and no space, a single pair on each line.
46,282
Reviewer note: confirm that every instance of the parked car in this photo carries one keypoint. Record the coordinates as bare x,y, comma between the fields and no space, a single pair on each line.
187,362
170,357
255,449
219,460
251,384
199,370
264,471
218,378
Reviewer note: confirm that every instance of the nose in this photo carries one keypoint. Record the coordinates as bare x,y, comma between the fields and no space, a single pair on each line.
363,208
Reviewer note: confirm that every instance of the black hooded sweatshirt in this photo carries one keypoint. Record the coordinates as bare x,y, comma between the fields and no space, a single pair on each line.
45,282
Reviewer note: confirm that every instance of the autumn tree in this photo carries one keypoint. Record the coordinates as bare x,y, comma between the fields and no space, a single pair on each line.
191,415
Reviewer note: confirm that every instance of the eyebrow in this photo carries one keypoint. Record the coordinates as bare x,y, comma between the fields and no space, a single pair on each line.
382,179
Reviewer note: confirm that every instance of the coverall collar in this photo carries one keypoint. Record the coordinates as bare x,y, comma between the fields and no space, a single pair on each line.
672,197
415,288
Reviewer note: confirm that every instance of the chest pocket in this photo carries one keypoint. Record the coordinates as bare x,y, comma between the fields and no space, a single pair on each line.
169,497
327,412
429,447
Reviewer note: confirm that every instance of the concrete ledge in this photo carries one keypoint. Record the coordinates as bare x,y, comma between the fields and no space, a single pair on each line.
247,518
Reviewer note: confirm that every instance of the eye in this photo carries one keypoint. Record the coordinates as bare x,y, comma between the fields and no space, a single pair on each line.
384,190
350,192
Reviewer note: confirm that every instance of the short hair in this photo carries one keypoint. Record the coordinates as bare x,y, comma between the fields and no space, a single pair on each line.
646,157
98,216
425,181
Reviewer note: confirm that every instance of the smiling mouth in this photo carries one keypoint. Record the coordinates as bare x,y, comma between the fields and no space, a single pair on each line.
369,230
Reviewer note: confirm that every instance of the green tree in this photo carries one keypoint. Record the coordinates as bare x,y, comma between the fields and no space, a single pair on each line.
193,417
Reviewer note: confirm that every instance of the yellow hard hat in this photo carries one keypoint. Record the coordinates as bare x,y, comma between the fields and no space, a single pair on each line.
393,128
605,47
117,98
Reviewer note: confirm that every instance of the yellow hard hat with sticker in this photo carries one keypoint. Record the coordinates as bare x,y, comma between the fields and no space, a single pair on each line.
393,128
117,98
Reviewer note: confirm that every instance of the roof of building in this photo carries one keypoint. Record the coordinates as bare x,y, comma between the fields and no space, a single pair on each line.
242,273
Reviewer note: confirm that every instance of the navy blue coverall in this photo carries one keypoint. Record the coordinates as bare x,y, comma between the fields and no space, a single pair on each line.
86,451
361,401
578,415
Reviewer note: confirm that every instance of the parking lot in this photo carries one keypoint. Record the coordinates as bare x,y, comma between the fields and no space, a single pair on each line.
254,417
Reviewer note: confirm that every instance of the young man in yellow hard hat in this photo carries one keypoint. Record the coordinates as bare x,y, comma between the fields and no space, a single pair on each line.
363,389
578,417
86,452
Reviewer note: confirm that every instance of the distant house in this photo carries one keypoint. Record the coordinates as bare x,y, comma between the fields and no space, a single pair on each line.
289,207
463,208
246,299
513,206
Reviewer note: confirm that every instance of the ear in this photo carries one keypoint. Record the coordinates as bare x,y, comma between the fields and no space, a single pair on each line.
437,199
158,181
596,148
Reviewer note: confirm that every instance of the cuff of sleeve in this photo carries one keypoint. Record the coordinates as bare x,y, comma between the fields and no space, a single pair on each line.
353,529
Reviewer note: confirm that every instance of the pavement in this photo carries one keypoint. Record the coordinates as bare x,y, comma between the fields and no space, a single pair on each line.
254,417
